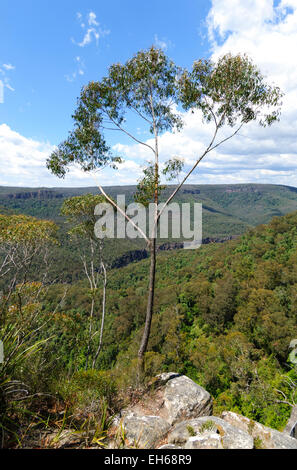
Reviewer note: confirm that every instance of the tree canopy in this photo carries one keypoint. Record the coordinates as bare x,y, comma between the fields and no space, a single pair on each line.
230,92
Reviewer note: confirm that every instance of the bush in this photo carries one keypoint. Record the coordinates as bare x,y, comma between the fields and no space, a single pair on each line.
100,382
87,391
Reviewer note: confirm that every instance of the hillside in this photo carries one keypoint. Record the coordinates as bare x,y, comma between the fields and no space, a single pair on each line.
228,210
224,316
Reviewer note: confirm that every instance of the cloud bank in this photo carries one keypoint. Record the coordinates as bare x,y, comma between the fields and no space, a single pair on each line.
27,165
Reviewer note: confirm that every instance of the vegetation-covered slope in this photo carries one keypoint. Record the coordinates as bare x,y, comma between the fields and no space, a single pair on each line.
224,315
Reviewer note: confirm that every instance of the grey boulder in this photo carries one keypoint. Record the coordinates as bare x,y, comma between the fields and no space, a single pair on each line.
184,399
197,432
144,431
266,438
209,441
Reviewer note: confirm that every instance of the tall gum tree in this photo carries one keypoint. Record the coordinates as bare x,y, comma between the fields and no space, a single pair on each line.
229,94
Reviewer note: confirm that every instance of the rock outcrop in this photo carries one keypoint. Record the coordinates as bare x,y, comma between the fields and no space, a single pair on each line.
170,398
144,431
209,431
291,427
264,437
176,413
184,399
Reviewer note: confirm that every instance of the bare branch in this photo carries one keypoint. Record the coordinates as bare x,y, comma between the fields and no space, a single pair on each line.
141,115
114,204
208,149
227,138
128,133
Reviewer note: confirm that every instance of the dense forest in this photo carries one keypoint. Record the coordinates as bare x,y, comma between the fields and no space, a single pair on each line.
224,315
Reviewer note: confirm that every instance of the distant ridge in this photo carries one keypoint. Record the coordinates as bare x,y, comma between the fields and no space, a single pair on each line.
228,211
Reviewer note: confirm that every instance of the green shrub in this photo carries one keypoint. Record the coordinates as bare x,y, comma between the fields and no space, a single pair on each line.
86,391
191,431
100,382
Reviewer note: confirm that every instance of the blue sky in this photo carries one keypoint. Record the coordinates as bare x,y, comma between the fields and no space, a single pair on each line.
41,39
50,49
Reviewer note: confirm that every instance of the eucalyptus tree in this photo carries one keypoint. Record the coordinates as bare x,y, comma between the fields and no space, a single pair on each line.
24,243
229,94
80,214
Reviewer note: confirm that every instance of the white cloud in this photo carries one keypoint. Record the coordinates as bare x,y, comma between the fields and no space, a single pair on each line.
20,158
5,82
8,67
267,34
237,17
80,70
94,30
162,43
23,163
88,37
92,19
9,86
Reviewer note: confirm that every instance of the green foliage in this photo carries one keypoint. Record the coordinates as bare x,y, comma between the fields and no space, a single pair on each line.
147,186
79,212
24,242
144,84
191,431
208,425
86,387
21,229
230,91
222,216
258,444
173,168
22,347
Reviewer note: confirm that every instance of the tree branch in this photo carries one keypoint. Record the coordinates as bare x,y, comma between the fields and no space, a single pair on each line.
114,204
208,149
128,133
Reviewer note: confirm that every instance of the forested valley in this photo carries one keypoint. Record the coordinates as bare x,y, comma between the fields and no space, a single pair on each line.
224,315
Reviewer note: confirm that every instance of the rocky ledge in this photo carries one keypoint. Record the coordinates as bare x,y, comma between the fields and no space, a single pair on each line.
176,413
